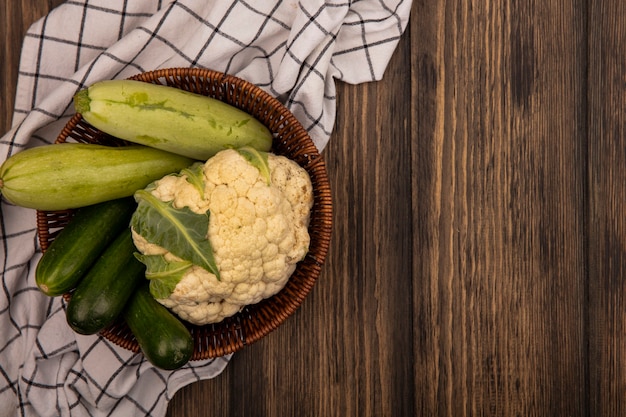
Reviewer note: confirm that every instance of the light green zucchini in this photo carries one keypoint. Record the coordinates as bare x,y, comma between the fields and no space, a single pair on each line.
169,118
71,175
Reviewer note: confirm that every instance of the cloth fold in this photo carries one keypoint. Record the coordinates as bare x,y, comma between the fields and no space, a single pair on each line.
294,50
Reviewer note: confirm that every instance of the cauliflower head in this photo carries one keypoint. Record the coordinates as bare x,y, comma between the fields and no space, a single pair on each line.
242,221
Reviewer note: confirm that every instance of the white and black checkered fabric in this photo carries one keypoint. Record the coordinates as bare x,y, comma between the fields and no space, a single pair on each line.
294,50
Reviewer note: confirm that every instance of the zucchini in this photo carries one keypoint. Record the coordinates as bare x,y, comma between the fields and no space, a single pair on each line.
71,175
78,245
164,340
169,118
102,294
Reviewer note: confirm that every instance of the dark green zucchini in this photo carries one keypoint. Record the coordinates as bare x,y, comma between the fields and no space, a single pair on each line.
162,337
102,294
79,244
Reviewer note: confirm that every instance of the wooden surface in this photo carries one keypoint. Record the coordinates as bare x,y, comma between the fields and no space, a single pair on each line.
478,262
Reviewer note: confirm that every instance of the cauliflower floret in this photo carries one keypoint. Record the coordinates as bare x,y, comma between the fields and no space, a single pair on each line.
258,233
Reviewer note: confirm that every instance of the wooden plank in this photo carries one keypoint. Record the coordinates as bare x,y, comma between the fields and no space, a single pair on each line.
499,208
607,213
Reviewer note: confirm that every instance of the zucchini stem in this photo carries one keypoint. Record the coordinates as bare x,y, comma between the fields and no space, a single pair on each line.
82,101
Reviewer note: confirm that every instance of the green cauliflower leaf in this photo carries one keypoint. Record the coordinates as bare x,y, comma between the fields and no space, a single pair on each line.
180,231
163,275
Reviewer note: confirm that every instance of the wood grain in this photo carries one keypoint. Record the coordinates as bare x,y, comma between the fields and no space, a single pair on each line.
479,248
498,208
606,225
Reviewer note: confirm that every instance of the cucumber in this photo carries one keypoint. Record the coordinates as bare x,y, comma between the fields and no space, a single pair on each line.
71,175
102,294
164,340
78,245
169,118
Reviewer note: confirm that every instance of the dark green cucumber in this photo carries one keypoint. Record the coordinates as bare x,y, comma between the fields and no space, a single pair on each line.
79,244
102,294
162,337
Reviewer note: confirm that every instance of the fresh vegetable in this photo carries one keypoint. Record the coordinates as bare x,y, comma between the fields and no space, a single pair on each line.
169,118
161,336
223,234
71,175
80,243
102,294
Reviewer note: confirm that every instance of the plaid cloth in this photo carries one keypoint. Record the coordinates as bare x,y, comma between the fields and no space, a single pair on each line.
294,50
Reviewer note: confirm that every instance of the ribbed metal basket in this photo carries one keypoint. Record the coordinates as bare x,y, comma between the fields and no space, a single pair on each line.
291,140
